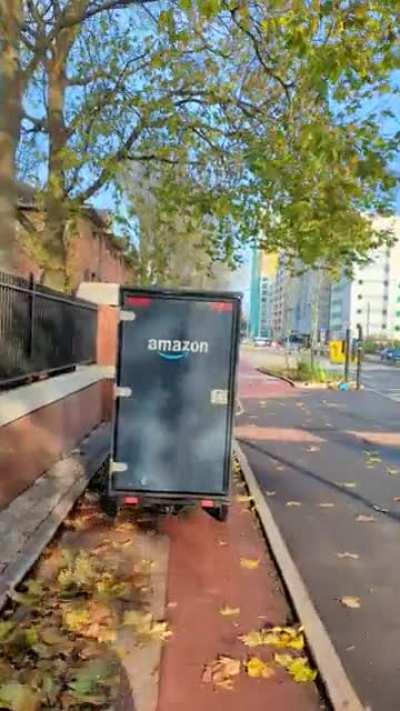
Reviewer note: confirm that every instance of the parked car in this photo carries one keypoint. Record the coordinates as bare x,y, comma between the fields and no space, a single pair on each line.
260,342
394,356
390,355
384,354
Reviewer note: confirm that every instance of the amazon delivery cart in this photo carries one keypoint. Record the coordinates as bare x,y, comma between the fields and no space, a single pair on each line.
174,399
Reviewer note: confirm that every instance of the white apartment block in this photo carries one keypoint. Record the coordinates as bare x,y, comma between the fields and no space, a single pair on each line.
372,297
279,300
295,299
267,287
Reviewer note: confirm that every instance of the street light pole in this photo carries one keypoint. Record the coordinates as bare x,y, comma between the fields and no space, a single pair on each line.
347,355
359,355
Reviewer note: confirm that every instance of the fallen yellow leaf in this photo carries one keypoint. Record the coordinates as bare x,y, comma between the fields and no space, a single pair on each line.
220,672
227,611
243,499
351,601
250,563
284,637
300,670
144,566
348,555
361,518
283,660
252,639
258,669
298,667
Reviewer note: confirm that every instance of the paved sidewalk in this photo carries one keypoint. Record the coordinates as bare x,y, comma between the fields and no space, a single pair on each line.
204,575
323,460
28,523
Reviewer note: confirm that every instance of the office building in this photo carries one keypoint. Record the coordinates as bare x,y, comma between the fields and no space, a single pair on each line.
263,272
372,297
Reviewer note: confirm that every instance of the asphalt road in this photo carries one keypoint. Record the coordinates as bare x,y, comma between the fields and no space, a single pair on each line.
323,458
379,377
383,379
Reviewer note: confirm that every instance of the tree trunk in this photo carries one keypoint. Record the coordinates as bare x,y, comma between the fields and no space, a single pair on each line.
55,204
10,119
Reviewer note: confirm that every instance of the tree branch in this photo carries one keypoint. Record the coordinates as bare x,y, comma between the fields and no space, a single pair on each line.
119,156
107,5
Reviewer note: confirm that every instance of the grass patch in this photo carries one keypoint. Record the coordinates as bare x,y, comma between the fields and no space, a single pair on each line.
303,372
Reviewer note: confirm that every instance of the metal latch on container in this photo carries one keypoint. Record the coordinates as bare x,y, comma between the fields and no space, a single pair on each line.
117,467
120,391
219,397
127,315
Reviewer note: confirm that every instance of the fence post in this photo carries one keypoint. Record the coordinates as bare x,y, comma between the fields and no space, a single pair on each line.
31,332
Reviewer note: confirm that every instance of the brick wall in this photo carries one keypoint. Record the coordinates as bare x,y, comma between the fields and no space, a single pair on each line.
91,257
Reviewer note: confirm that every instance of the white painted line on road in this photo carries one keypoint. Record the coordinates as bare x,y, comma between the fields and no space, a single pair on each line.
339,688
385,395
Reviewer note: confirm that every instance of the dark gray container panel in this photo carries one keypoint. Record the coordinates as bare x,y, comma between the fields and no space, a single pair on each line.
172,435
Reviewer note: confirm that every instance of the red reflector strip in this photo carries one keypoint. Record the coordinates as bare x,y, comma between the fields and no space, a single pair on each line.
131,500
207,504
221,306
137,301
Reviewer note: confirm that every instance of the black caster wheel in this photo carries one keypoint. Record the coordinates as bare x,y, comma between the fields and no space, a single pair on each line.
109,506
220,513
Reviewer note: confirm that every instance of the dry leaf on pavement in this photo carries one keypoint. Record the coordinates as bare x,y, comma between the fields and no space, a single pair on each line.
355,556
252,639
351,601
293,503
222,543
227,611
361,518
250,563
258,669
281,637
243,499
145,626
298,667
221,671
18,697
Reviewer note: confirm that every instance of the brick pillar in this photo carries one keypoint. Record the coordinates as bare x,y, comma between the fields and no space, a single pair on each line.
106,296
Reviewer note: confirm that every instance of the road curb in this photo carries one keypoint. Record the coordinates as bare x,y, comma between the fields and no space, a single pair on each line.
294,383
265,371
338,686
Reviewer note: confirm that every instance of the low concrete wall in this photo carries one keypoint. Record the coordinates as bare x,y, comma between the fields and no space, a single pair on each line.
40,423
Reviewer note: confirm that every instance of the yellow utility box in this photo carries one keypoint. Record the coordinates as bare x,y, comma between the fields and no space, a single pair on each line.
337,351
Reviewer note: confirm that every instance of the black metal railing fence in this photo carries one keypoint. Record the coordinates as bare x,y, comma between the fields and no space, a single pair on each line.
42,330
